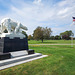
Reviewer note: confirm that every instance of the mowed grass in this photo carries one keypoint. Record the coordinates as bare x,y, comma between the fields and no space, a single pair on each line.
60,61
51,42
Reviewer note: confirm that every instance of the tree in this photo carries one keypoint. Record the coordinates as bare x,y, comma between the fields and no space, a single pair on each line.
38,34
57,37
41,33
66,35
30,37
47,32
52,38
23,32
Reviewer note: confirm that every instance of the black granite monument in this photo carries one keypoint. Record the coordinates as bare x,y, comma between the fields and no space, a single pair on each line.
11,45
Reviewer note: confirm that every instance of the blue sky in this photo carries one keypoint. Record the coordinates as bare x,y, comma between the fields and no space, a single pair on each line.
56,14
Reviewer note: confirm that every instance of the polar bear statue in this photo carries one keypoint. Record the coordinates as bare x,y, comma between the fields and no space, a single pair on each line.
11,26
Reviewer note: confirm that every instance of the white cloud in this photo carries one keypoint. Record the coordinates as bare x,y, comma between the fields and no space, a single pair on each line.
63,11
38,2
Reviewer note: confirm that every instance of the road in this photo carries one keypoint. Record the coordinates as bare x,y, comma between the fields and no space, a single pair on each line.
51,44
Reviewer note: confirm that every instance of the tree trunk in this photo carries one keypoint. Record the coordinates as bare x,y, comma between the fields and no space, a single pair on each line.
42,40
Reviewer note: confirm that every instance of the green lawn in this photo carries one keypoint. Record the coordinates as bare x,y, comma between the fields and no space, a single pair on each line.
60,61
50,42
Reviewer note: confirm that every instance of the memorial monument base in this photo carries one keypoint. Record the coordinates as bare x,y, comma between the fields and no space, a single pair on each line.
14,45
10,46
5,56
15,54
19,60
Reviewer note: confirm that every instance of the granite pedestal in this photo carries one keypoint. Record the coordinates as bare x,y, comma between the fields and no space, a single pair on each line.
8,45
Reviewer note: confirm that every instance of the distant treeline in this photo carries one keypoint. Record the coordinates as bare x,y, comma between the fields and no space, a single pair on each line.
41,33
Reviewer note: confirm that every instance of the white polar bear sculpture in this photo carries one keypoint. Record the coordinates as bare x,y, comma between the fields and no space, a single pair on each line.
11,26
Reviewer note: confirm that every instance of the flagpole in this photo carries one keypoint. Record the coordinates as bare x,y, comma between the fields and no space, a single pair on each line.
73,23
71,41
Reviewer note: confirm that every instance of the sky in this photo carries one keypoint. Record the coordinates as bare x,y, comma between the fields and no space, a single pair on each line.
54,14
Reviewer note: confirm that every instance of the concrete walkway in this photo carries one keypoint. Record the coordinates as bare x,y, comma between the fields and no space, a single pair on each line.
51,44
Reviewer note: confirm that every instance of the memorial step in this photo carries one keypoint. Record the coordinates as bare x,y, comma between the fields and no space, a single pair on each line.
18,59
18,53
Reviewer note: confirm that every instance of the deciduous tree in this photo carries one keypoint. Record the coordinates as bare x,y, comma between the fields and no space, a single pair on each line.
57,37
30,37
41,33
66,35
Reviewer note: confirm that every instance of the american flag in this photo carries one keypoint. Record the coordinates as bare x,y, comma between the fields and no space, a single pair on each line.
73,19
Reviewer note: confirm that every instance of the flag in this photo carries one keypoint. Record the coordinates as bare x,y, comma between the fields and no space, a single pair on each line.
73,19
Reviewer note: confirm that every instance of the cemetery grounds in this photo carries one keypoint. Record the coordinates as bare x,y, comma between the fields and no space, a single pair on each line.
60,60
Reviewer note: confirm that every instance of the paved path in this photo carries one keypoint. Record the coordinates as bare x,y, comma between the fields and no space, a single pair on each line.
51,44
